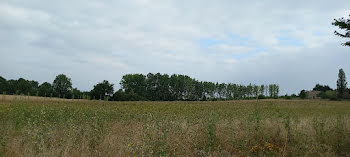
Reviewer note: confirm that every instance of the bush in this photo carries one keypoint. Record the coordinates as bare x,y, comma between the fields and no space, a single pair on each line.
287,97
303,94
261,97
120,95
328,95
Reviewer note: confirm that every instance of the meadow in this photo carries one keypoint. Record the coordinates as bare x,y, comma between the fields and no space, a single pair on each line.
33,126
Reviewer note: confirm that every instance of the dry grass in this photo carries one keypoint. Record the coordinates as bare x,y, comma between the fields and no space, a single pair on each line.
55,127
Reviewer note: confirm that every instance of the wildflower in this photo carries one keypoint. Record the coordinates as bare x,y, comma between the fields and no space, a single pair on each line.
254,148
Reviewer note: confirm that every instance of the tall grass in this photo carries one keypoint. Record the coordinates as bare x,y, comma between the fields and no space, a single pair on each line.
54,127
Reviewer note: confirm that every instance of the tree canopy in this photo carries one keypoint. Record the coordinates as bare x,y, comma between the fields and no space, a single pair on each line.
343,24
341,83
62,86
162,87
302,94
45,89
3,85
135,87
102,90
321,88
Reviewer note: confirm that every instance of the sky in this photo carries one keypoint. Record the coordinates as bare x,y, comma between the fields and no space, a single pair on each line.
290,43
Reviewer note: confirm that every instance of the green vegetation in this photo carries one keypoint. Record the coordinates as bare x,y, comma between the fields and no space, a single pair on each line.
162,87
325,92
36,126
62,86
341,83
303,94
102,91
343,24
138,87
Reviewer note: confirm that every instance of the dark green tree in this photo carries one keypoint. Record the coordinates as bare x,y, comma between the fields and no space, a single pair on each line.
208,89
134,83
343,24
102,90
163,87
62,86
303,94
341,83
34,88
235,91
120,95
262,89
221,90
3,85
176,84
189,88
321,88
249,90
11,87
23,87
159,87
198,91
273,90
45,89
256,91
230,90
77,94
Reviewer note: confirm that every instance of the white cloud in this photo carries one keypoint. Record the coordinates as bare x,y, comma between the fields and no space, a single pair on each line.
92,40
228,50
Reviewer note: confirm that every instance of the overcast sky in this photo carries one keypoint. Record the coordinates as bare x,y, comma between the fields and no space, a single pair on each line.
290,43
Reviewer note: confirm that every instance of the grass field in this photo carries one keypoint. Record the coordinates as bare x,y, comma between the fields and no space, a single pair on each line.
53,127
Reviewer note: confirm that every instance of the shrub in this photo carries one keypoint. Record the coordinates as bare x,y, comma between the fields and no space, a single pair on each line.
328,95
303,94
287,97
261,96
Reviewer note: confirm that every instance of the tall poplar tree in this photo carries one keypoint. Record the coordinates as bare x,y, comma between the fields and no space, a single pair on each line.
341,83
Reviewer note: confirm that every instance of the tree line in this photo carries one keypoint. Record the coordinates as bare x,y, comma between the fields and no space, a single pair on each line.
154,87
326,92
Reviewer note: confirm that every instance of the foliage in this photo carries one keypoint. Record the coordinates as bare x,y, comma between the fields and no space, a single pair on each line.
322,88
3,85
11,87
102,90
341,83
343,24
20,86
328,95
134,83
154,87
261,96
158,87
62,86
45,89
303,94
287,96
120,95
77,94
274,90
59,127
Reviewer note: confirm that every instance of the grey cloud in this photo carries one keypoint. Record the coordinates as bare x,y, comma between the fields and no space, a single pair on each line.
92,40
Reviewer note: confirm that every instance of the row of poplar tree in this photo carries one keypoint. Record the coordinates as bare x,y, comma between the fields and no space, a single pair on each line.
181,87
155,87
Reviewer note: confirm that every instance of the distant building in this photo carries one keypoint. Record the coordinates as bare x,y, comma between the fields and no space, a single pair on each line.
313,94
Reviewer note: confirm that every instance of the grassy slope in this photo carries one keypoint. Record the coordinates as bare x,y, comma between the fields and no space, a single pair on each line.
53,127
